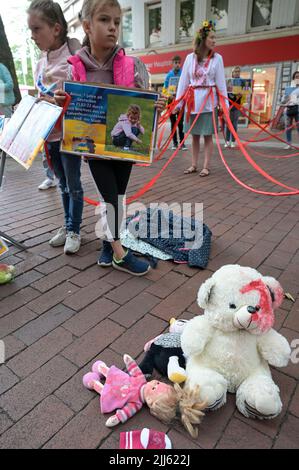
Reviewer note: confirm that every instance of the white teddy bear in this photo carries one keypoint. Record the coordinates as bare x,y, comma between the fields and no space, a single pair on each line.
230,347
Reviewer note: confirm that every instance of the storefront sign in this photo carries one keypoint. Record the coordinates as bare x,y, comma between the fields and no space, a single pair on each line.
243,53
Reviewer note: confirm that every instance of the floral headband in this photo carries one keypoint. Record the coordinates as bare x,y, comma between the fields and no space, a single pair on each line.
207,26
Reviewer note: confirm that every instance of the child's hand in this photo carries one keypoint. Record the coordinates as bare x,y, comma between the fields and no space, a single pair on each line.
60,97
161,104
112,421
48,99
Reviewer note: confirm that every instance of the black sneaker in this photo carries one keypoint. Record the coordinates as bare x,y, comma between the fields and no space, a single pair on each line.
184,148
132,265
174,147
106,256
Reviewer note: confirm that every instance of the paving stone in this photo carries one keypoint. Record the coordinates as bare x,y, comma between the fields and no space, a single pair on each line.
90,316
54,279
167,284
40,352
87,295
42,325
85,431
54,297
24,396
294,406
12,346
5,422
289,434
135,309
128,290
15,320
36,428
239,435
7,379
134,339
17,300
92,343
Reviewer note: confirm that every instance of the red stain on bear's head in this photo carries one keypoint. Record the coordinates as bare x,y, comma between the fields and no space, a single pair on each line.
264,317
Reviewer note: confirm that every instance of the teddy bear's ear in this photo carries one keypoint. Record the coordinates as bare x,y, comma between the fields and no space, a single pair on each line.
205,292
275,289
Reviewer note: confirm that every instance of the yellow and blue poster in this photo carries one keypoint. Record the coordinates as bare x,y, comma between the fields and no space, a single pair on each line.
110,122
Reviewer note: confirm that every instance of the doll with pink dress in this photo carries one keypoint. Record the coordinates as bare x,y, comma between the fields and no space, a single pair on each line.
126,392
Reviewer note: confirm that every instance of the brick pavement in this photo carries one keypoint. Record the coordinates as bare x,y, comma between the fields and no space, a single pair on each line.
63,312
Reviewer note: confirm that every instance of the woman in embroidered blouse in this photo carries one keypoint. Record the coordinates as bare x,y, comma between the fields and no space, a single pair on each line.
202,69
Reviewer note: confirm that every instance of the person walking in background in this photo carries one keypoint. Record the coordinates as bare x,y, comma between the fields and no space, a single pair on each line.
169,90
202,69
49,31
7,97
234,112
291,101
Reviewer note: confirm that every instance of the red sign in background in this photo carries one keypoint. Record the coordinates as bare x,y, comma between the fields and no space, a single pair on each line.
242,53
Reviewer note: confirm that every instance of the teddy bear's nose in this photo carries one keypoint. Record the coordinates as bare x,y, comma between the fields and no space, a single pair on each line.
252,310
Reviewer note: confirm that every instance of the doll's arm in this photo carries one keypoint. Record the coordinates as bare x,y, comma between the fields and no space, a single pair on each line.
132,366
274,348
147,363
196,335
123,414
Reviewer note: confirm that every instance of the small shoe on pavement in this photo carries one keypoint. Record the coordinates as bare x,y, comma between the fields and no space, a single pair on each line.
227,145
287,147
184,148
190,170
60,238
132,265
233,145
204,172
72,243
106,256
174,147
47,184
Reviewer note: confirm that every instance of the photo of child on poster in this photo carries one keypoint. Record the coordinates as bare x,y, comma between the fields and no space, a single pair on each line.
128,129
110,122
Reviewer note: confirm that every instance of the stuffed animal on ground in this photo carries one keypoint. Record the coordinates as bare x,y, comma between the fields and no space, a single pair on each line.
7,273
164,353
127,392
231,346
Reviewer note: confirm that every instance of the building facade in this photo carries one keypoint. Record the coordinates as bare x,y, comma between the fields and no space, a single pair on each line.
261,36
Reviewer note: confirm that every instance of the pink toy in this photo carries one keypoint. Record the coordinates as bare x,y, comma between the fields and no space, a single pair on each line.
127,392
145,439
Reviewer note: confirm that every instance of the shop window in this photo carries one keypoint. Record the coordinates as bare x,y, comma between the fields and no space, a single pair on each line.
154,23
219,13
261,13
127,33
186,30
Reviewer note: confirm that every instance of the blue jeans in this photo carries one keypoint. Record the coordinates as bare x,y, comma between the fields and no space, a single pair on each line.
49,173
122,140
67,168
289,120
234,117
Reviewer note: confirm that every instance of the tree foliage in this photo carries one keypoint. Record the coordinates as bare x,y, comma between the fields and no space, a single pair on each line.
6,59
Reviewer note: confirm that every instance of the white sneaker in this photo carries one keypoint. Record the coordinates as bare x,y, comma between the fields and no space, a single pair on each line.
226,145
72,244
47,184
233,145
126,148
60,238
287,147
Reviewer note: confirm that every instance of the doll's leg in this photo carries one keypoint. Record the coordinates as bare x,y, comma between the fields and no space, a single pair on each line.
100,368
176,374
258,397
212,385
91,381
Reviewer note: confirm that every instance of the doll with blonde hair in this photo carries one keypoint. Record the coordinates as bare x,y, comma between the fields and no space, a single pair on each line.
127,392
